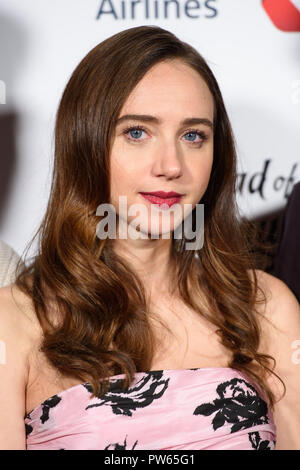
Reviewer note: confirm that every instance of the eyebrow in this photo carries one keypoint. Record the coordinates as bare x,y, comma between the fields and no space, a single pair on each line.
155,120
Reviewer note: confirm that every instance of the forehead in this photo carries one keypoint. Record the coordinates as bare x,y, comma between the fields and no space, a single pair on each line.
171,88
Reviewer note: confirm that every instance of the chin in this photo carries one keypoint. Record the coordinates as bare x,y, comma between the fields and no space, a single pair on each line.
148,234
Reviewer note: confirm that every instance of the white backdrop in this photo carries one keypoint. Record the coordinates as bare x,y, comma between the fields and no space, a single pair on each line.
256,64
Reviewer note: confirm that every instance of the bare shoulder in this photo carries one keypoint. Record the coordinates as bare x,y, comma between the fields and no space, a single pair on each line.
281,307
280,338
19,333
16,307
279,321
19,324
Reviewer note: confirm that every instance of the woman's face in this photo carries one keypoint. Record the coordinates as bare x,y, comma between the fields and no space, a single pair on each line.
166,154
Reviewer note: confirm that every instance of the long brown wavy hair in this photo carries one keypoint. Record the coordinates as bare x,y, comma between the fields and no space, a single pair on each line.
103,324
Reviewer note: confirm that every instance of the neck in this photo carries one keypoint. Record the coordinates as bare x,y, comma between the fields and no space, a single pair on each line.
150,259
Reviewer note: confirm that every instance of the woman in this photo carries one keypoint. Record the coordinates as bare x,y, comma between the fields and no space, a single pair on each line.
186,329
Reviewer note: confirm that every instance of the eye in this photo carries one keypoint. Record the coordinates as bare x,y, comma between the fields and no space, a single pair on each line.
198,132
134,131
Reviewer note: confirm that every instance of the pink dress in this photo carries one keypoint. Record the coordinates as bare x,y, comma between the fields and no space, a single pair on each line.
189,409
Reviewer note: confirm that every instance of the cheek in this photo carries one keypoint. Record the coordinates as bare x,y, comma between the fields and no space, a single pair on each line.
124,176
201,175
123,161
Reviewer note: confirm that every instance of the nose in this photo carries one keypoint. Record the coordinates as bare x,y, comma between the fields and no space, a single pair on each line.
167,161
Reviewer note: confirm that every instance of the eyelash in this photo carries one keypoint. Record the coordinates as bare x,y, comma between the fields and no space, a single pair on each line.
200,133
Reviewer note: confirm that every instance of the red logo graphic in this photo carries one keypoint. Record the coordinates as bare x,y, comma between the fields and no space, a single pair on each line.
284,14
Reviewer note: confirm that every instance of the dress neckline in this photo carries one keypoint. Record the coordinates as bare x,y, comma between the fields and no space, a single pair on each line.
62,392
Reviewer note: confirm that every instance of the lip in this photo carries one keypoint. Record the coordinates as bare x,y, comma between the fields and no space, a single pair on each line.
163,194
163,202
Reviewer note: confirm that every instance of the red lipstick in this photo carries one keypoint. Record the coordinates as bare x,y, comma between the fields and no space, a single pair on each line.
162,197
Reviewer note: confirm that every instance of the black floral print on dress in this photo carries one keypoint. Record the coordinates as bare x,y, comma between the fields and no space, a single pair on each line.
28,428
46,405
117,446
237,403
258,444
148,388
